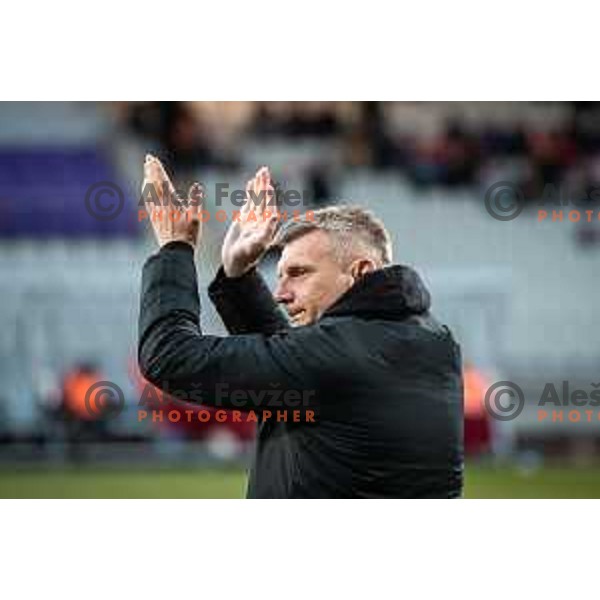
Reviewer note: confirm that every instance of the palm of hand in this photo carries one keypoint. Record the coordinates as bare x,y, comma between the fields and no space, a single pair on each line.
249,238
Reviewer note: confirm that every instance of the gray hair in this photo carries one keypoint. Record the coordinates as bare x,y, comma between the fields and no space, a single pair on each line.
354,231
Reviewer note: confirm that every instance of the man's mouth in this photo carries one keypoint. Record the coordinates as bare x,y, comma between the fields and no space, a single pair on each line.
296,315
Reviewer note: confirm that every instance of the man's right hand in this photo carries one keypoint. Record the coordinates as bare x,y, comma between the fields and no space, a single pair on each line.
248,240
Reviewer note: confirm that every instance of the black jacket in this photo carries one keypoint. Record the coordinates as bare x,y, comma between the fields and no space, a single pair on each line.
381,377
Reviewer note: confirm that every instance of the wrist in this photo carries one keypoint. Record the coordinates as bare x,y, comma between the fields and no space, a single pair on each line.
176,246
235,271
177,240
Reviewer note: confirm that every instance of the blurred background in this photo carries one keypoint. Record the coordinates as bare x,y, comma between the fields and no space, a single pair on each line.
520,295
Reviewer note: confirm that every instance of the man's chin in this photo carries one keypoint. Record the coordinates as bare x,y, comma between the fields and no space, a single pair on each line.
301,319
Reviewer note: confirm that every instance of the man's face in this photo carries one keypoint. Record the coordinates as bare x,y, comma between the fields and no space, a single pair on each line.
310,279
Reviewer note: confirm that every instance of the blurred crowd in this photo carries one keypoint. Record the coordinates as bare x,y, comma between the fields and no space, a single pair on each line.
433,144
78,410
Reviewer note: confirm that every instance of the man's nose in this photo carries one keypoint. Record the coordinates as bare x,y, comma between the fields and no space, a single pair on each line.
282,295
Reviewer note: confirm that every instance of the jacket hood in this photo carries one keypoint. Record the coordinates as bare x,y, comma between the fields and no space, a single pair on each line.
392,293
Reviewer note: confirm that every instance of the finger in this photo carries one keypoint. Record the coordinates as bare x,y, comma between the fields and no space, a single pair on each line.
259,189
195,198
152,179
248,204
266,191
160,176
272,194
198,190
164,176
271,229
149,195
158,165
152,165
256,191
261,184
148,168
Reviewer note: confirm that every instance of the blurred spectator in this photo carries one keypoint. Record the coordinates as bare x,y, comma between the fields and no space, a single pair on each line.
503,141
368,142
585,126
81,414
237,436
550,155
319,186
296,120
461,156
477,426
265,122
450,159
185,140
176,128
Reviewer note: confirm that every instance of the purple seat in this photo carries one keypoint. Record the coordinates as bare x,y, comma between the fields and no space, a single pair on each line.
43,194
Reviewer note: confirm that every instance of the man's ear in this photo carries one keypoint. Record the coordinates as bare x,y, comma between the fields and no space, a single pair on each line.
361,267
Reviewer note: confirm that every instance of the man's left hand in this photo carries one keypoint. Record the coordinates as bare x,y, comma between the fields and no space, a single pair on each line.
174,220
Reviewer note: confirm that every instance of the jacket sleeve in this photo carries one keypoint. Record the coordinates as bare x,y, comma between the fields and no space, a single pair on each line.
245,304
174,354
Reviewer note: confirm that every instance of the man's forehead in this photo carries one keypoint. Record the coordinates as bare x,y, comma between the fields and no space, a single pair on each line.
309,248
291,261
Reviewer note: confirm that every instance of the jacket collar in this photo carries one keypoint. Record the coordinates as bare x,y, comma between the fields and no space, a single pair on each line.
393,293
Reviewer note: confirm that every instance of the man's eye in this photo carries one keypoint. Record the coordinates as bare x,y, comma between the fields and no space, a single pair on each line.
297,272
